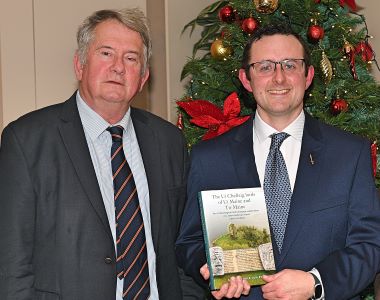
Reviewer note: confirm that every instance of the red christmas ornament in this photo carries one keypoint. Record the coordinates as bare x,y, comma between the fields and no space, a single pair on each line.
338,105
207,115
227,14
315,33
317,1
365,50
350,51
249,25
374,157
180,121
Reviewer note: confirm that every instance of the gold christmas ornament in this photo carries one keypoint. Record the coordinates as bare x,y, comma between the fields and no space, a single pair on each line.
219,51
266,6
326,67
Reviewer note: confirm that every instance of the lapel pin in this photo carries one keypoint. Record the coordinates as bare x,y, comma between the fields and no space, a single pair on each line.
312,162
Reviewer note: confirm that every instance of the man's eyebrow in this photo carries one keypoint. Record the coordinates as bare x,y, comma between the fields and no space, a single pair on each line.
109,47
103,46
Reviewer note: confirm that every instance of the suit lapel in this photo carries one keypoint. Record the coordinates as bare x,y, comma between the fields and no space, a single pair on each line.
73,137
150,152
308,172
241,147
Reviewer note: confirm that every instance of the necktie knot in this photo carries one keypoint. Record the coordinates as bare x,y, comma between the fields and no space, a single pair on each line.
277,139
116,133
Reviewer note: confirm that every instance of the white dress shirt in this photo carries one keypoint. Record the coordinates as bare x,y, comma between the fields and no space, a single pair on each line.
99,142
290,148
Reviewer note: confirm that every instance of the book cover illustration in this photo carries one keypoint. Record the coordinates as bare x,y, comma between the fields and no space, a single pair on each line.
237,235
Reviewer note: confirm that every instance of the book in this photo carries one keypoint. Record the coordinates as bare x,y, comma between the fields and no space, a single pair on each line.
236,234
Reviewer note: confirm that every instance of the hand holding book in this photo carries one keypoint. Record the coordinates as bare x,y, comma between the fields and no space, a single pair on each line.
235,287
288,283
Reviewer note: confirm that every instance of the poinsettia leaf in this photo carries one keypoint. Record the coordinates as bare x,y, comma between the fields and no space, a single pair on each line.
205,121
223,128
215,131
350,3
196,108
237,121
211,133
231,106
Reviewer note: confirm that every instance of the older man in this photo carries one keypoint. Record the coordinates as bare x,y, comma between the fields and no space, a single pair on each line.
92,190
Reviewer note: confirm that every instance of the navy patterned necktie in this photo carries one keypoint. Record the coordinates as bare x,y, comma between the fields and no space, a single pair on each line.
277,188
132,259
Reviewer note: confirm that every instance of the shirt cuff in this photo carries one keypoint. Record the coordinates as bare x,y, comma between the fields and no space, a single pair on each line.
315,272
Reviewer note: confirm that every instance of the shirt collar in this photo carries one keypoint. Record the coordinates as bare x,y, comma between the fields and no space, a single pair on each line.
264,131
93,123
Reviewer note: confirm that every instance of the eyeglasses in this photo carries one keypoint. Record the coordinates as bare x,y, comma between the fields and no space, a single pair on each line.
268,67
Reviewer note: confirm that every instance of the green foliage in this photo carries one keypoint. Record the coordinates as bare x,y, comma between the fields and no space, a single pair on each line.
245,237
214,80
255,236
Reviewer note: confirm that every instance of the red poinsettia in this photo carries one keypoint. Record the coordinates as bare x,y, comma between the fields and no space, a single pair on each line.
350,3
207,115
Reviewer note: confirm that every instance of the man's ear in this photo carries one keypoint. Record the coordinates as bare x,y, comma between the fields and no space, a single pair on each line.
78,67
144,78
244,80
309,77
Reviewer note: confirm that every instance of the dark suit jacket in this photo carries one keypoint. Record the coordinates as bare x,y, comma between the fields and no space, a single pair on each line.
334,218
55,240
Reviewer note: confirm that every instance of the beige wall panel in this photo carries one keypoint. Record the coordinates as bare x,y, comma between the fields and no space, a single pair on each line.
370,9
158,86
37,43
179,47
16,59
1,89
56,23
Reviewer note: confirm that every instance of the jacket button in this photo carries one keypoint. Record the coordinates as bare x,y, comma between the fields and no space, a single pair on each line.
108,260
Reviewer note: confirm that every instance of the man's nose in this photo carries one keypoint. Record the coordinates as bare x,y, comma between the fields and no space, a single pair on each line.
118,66
279,74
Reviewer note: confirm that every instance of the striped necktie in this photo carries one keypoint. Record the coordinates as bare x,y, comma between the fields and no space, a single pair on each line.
277,188
132,260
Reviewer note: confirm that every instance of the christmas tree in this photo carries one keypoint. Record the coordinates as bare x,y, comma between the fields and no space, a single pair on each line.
343,93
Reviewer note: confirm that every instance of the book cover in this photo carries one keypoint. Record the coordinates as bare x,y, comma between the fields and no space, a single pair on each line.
236,234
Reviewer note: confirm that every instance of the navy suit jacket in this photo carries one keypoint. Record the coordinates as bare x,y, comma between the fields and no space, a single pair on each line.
334,217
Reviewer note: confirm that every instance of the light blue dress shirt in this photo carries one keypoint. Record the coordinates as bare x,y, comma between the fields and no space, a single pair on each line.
99,142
